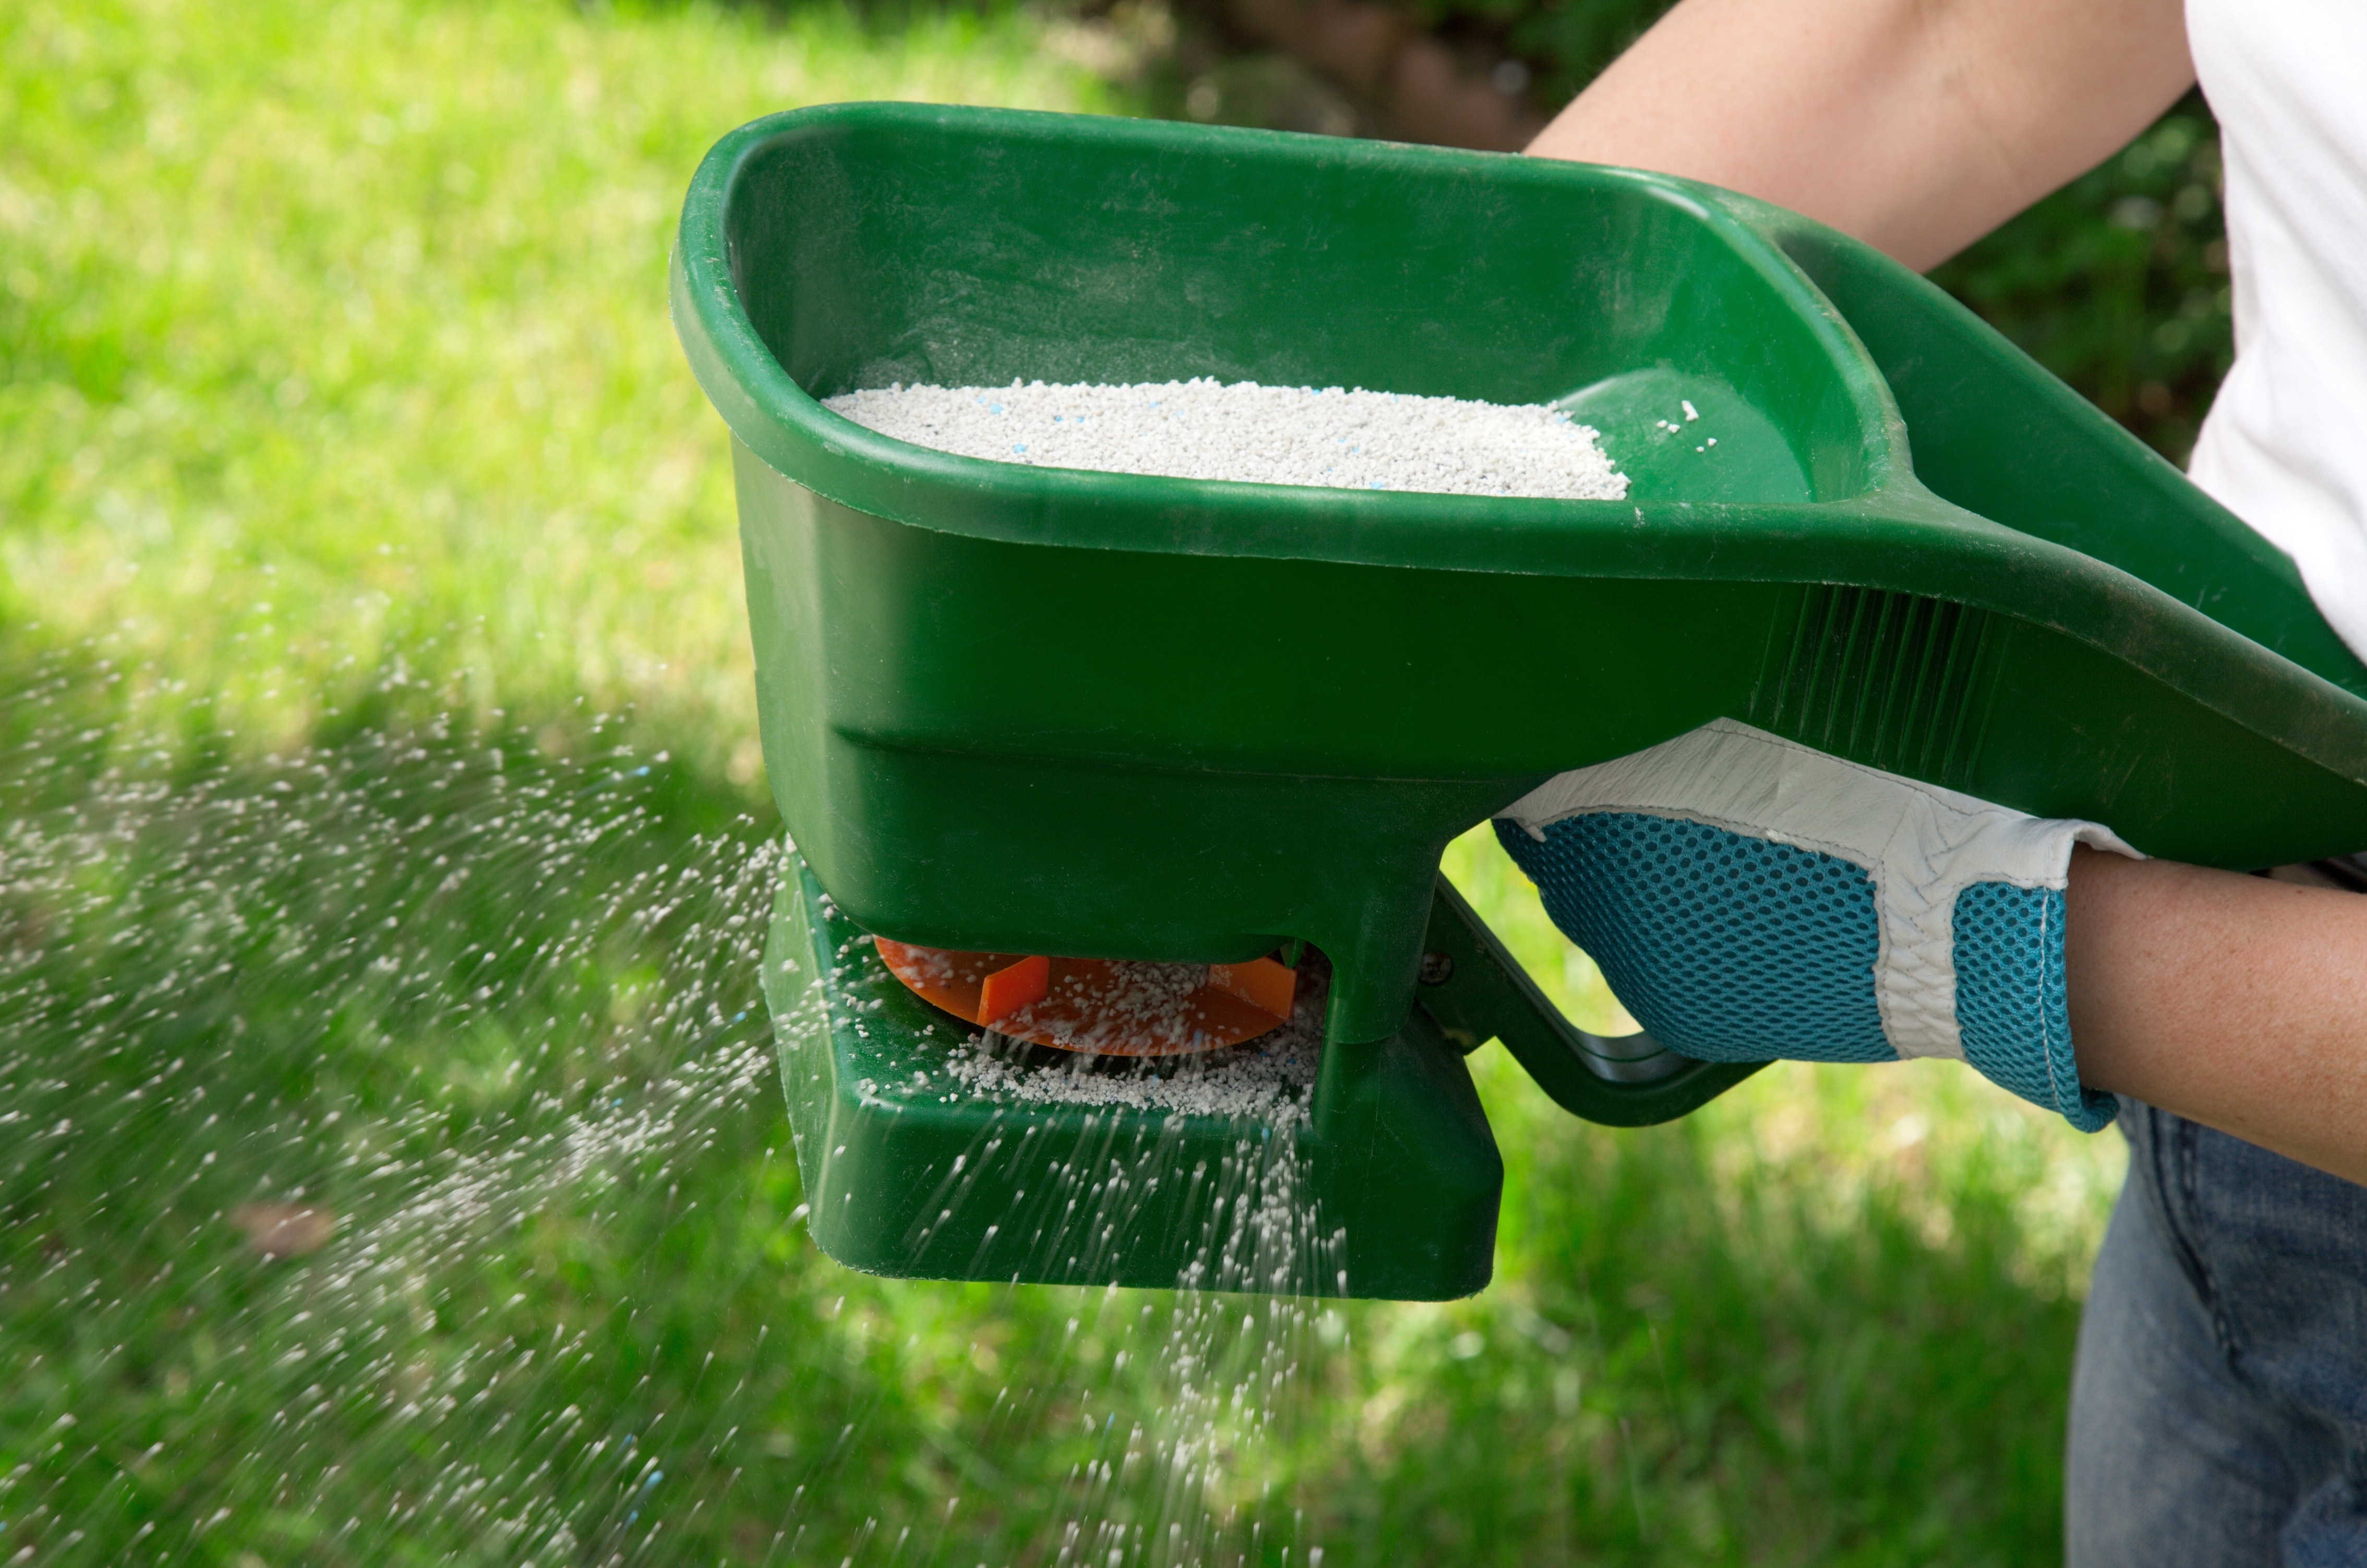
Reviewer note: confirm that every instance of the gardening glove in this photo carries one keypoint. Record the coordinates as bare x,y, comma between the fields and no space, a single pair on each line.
1750,900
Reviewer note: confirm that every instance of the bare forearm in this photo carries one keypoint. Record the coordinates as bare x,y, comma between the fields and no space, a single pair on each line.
1916,125
2235,1001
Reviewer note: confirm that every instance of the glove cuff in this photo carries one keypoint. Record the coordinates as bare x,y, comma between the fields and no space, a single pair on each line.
2014,1015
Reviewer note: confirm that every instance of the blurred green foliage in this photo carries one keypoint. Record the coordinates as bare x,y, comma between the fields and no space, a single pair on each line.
1565,43
2117,283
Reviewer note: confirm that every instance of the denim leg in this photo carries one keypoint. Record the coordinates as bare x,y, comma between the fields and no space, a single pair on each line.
2168,1465
2219,1409
2285,1247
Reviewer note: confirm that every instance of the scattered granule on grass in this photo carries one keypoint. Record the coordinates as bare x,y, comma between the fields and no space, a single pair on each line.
1204,430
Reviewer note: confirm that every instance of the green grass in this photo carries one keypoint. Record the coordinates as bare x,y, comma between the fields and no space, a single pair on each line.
365,541
335,332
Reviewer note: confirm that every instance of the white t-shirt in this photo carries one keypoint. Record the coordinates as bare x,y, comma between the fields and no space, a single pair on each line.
2285,445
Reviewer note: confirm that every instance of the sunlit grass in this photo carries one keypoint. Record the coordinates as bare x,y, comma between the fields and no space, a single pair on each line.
337,346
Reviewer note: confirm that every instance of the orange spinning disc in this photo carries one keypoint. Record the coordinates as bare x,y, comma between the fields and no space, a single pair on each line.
1107,1007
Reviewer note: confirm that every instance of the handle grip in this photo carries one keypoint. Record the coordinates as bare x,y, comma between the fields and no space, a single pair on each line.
1476,991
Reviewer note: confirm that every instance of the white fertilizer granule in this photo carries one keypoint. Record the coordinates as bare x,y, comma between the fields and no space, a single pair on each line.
1201,429
1270,1079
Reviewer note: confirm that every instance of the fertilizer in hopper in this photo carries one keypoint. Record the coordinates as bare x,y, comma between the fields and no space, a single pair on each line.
1204,430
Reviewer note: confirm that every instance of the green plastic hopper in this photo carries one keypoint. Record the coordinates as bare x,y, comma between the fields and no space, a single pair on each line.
1040,711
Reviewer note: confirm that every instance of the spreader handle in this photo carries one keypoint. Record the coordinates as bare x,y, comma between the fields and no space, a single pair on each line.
1477,992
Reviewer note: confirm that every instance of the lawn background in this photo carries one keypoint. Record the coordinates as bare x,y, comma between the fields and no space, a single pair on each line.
359,511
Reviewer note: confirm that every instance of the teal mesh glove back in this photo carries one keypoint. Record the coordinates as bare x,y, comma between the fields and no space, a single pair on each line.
1751,900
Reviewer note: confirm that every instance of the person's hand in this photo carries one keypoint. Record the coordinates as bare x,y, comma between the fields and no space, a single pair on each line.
1750,900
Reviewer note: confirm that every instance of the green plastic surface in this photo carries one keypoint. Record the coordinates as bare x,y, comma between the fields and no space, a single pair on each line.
1392,1191
1047,711
1475,991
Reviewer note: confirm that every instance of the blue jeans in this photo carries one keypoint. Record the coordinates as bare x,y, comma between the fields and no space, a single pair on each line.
2219,1411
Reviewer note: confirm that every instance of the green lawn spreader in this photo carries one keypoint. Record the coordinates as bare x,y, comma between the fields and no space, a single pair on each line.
1042,711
